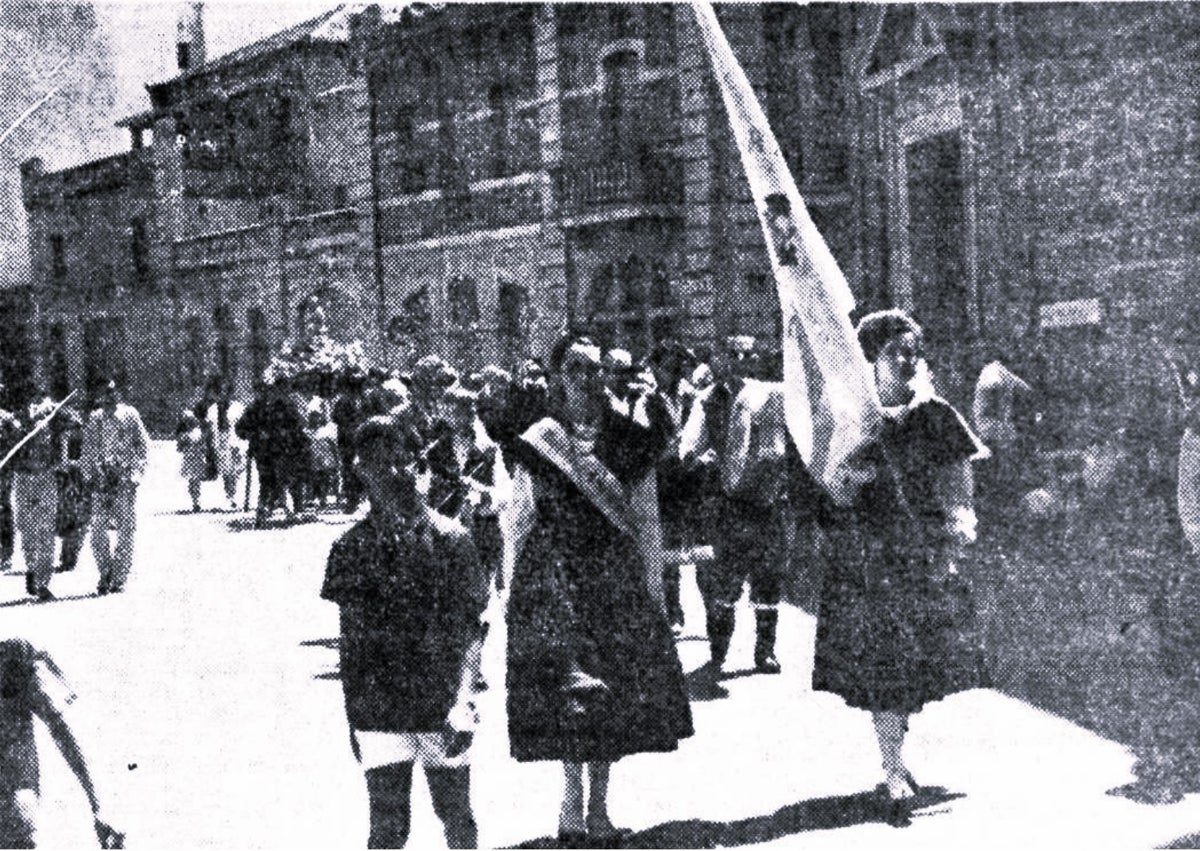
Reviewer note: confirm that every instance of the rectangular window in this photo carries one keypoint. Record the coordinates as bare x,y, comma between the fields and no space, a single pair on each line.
196,353
58,258
260,342
509,308
139,251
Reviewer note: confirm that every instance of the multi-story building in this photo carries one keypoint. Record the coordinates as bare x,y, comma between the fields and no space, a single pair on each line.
473,178
196,250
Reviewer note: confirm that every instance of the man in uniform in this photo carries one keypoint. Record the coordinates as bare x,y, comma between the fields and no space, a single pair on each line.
742,420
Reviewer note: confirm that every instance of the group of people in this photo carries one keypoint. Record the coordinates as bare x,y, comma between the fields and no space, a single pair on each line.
580,487
71,466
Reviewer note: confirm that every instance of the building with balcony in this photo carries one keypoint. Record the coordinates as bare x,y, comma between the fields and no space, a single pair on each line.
245,193
473,178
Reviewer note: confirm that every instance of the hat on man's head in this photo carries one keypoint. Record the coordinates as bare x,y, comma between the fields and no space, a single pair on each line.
432,371
395,427
460,394
618,360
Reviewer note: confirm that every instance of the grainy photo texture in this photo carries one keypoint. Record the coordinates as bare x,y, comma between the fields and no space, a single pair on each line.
597,425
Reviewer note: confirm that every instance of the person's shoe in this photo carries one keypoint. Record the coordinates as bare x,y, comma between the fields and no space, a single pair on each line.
572,839
64,568
766,624
29,588
897,812
602,834
767,664
45,595
102,589
119,589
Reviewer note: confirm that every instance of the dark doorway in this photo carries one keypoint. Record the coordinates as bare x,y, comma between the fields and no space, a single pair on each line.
104,350
57,366
937,234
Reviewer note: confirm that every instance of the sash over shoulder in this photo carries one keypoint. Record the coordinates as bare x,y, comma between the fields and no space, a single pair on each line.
593,479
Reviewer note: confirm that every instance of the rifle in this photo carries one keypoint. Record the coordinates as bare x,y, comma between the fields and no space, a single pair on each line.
33,432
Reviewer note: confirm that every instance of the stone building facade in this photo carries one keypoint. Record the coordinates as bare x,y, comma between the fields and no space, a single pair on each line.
245,194
471,179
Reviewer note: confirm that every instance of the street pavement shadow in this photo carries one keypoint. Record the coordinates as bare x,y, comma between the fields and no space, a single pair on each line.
816,814
247,524
742,673
702,686
1192,840
31,601
1106,640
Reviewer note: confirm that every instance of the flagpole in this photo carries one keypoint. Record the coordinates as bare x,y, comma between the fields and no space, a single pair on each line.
33,432
830,401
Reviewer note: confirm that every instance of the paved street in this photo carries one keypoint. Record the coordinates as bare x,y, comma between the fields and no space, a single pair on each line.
208,694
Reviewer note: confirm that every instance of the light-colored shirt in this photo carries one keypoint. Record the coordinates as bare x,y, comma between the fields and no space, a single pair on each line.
116,441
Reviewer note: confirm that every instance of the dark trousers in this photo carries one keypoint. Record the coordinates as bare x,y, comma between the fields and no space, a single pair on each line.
749,544
389,790
352,486
270,488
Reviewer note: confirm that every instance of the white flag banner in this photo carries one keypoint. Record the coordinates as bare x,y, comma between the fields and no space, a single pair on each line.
831,403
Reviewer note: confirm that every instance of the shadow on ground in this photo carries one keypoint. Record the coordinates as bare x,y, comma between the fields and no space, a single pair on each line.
1102,628
816,814
33,601
248,524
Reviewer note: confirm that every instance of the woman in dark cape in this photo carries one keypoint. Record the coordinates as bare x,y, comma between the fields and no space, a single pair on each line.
895,627
593,672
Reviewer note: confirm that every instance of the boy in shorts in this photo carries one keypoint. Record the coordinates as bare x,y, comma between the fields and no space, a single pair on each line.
411,593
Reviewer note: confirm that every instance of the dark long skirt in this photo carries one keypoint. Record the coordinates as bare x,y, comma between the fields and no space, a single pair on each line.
591,606
895,630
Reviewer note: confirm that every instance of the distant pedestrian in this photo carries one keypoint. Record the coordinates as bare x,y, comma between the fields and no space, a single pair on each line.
192,446
32,685
411,593
115,447
74,510
349,412
740,423
229,450
480,489
274,430
324,459
36,493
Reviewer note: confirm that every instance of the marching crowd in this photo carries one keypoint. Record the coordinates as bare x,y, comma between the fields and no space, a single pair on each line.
574,490
579,487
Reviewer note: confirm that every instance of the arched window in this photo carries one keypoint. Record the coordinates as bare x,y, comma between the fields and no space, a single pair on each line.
196,351
510,308
463,297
